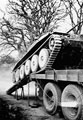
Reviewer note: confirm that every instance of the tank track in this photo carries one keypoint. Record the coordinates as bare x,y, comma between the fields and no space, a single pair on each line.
54,54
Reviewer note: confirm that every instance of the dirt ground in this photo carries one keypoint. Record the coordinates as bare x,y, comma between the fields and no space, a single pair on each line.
12,109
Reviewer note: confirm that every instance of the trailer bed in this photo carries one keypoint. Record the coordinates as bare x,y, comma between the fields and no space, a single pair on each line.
74,75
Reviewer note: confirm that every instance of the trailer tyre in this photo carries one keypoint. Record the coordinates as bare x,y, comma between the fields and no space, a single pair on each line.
43,57
51,97
74,94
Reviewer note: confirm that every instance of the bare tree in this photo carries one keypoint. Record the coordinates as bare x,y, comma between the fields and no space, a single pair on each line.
28,20
74,9
11,37
36,15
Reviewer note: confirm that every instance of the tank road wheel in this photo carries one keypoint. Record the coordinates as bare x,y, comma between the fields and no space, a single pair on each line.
27,67
72,102
17,75
22,72
34,63
51,97
43,57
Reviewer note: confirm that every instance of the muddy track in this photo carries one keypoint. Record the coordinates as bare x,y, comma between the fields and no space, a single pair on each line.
12,109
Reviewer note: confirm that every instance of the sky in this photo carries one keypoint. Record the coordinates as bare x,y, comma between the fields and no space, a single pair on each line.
3,4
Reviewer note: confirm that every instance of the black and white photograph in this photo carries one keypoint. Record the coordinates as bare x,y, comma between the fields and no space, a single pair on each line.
41,60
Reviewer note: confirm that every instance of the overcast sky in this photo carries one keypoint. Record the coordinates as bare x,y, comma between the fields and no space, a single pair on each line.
3,4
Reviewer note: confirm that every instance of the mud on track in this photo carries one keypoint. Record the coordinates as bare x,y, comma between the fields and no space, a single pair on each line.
12,109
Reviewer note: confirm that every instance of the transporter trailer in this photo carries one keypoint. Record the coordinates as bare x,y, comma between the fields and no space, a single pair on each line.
55,63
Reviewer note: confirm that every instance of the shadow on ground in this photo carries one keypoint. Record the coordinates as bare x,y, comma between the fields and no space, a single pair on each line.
12,109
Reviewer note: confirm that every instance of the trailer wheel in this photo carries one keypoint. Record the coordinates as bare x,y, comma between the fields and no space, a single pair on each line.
51,97
43,57
34,63
27,67
72,102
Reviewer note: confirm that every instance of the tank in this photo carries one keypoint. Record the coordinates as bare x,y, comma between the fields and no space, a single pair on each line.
51,51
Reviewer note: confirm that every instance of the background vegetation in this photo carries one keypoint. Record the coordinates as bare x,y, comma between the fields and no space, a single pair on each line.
26,20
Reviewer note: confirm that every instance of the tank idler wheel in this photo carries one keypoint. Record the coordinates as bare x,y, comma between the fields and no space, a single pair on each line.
54,41
34,63
51,97
72,102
